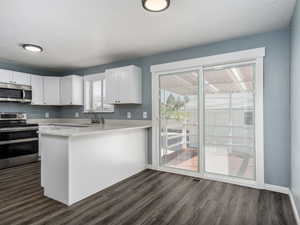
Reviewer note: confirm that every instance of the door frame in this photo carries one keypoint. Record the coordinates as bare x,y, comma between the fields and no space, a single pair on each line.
256,56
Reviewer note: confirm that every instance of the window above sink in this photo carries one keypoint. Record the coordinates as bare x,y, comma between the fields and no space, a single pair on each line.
94,94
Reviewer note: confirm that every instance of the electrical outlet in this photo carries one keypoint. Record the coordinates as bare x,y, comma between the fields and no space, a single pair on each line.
77,114
145,115
128,115
47,115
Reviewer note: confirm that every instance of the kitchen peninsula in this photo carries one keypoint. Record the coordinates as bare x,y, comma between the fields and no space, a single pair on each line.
78,161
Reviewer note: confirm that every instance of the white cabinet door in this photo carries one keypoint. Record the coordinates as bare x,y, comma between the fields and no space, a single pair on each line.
124,85
77,89
128,87
5,76
66,90
20,78
52,90
37,90
72,90
112,87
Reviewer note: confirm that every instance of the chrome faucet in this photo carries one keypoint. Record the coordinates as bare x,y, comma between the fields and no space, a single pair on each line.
102,120
95,119
98,120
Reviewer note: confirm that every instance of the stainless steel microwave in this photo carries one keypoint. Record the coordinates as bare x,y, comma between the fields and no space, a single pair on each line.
15,93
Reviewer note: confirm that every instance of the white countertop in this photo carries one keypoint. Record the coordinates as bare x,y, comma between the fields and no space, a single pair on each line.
78,129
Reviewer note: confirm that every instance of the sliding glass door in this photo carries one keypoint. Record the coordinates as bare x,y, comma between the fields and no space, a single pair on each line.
229,112
178,120
207,122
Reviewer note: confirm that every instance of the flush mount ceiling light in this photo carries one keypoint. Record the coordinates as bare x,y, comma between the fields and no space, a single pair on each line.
156,5
32,48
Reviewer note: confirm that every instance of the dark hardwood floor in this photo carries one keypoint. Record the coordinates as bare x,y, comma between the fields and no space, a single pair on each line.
149,198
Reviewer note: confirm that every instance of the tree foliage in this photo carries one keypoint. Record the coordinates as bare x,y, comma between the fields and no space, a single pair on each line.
174,108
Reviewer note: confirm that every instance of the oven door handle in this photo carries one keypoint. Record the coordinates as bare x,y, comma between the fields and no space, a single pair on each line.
18,141
16,129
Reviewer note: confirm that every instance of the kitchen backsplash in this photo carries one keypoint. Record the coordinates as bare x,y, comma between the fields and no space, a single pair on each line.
33,112
37,112
119,113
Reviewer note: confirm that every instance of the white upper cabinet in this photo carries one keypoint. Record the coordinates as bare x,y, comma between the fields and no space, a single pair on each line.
5,76
124,85
20,78
8,76
71,90
37,85
112,86
51,90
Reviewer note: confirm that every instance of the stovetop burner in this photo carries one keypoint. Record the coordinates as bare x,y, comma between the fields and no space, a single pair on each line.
8,120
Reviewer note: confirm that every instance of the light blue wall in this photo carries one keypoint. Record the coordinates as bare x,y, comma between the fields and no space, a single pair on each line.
276,92
295,105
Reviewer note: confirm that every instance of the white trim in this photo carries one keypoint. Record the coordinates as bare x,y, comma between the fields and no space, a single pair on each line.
155,123
259,122
94,77
275,188
294,207
201,128
149,166
231,57
230,65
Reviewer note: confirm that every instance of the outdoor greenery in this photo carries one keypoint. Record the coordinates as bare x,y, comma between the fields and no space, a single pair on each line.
174,108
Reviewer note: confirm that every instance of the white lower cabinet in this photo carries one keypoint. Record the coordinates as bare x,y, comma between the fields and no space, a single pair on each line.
51,90
71,90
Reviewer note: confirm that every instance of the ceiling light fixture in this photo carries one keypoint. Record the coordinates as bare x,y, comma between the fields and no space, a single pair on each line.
156,5
32,48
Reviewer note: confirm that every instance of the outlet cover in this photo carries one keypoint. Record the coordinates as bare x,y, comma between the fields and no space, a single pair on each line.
47,115
128,115
145,115
77,114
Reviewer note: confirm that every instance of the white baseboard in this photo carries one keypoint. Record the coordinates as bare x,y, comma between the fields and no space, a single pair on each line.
149,166
294,207
275,188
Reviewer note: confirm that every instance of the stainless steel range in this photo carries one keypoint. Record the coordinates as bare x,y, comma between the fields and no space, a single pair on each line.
18,140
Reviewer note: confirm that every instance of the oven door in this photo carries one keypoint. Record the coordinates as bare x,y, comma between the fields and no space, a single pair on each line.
18,146
17,153
17,134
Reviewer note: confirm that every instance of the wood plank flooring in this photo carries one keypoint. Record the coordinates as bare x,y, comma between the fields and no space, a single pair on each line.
149,198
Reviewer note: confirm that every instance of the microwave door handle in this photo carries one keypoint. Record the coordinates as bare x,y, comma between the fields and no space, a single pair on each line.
24,94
